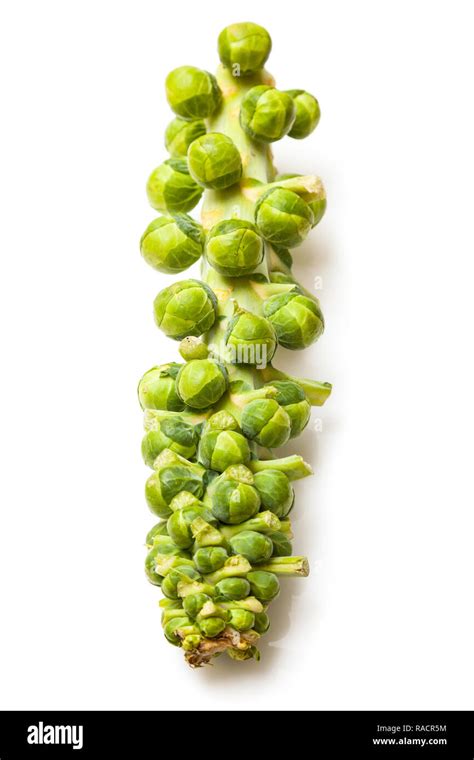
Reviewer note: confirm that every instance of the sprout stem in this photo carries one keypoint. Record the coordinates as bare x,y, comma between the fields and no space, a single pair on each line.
293,466
289,566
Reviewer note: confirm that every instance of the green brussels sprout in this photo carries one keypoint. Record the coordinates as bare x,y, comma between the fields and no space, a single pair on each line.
298,320
256,547
192,93
262,622
175,625
266,114
201,383
266,422
179,524
317,206
219,449
275,491
293,399
194,603
232,589
222,420
184,499
192,347
211,627
172,474
170,187
244,47
159,529
264,585
185,308
234,247
171,245
210,558
157,388
251,339
163,546
282,546
175,576
173,433
214,161
173,609
282,217
150,571
307,113
241,620
180,134
234,499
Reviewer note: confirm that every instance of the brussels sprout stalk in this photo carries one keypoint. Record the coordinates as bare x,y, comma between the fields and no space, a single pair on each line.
212,423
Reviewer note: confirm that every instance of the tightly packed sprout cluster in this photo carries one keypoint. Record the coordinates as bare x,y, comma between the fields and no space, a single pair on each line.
213,421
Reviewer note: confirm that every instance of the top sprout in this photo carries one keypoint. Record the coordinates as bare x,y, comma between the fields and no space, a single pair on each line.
244,47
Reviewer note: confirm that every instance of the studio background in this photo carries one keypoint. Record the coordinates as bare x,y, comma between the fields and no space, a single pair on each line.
385,620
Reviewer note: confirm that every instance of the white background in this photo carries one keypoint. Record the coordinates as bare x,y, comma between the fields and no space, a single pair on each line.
386,619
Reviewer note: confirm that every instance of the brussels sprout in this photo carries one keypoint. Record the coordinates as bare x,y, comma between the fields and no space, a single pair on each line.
184,499
307,113
172,474
179,524
171,245
241,620
175,576
180,134
173,433
244,47
281,544
192,93
154,560
211,627
275,491
234,247
298,320
185,308
201,383
214,161
210,558
282,217
251,339
264,585
157,388
317,205
222,420
293,399
173,609
262,622
256,547
159,529
266,114
170,187
192,347
266,422
234,499
178,625
194,603
232,588
219,449
150,571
